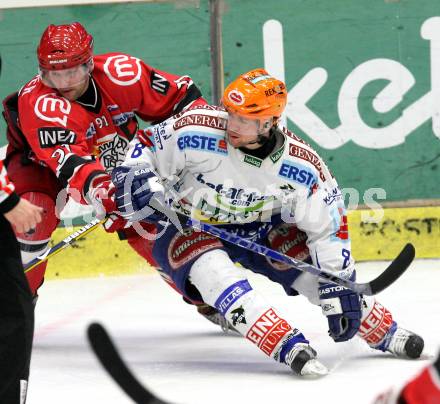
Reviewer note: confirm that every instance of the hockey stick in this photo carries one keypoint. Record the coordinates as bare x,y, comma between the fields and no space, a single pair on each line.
396,268
115,366
76,235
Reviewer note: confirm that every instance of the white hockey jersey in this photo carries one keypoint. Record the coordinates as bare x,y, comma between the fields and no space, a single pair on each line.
220,184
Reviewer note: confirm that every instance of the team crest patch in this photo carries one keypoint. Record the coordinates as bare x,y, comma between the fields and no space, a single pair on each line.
185,247
51,108
236,97
123,70
112,153
238,316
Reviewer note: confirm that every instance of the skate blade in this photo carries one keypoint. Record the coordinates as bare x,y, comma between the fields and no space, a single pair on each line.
314,368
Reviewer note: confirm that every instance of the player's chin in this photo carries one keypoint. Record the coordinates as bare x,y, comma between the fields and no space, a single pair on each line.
69,93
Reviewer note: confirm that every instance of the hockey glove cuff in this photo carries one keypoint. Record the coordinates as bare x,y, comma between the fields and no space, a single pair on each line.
343,310
115,223
101,195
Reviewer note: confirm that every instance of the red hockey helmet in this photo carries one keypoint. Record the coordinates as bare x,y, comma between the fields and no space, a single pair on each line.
64,46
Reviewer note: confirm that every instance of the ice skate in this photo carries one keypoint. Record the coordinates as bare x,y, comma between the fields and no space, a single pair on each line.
215,317
401,343
302,360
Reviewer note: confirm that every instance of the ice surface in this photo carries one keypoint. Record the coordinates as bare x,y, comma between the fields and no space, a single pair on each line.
185,359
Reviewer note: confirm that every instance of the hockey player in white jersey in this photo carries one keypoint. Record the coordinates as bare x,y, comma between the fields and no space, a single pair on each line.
236,168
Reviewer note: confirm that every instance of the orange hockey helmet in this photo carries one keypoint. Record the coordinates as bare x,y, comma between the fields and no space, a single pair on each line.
256,95
64,46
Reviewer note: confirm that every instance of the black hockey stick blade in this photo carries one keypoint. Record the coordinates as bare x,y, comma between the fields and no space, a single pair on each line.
112,362
397,267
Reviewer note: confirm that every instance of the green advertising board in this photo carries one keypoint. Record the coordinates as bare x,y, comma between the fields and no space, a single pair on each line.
166,36
363,77
363,80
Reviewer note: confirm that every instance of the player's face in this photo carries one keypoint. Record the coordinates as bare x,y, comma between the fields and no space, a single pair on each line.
244,132
241,131
71,83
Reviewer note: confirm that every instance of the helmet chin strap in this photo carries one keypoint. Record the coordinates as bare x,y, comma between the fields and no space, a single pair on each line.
261,140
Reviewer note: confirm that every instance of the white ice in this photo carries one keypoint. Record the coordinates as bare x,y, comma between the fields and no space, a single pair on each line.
185,359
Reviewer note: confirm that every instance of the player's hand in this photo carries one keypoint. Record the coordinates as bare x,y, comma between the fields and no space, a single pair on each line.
101,196
343,310
114,223
24,216
135,189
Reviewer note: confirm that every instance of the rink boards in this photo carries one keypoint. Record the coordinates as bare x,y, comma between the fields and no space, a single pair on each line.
384,239
102,254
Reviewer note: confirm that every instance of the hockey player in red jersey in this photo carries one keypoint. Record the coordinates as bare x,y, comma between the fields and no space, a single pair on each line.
70,126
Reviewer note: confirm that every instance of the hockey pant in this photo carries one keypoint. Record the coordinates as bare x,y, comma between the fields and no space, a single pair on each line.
36,241
40,186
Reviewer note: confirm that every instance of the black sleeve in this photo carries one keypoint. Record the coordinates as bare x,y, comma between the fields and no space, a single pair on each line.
191,95
9,203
